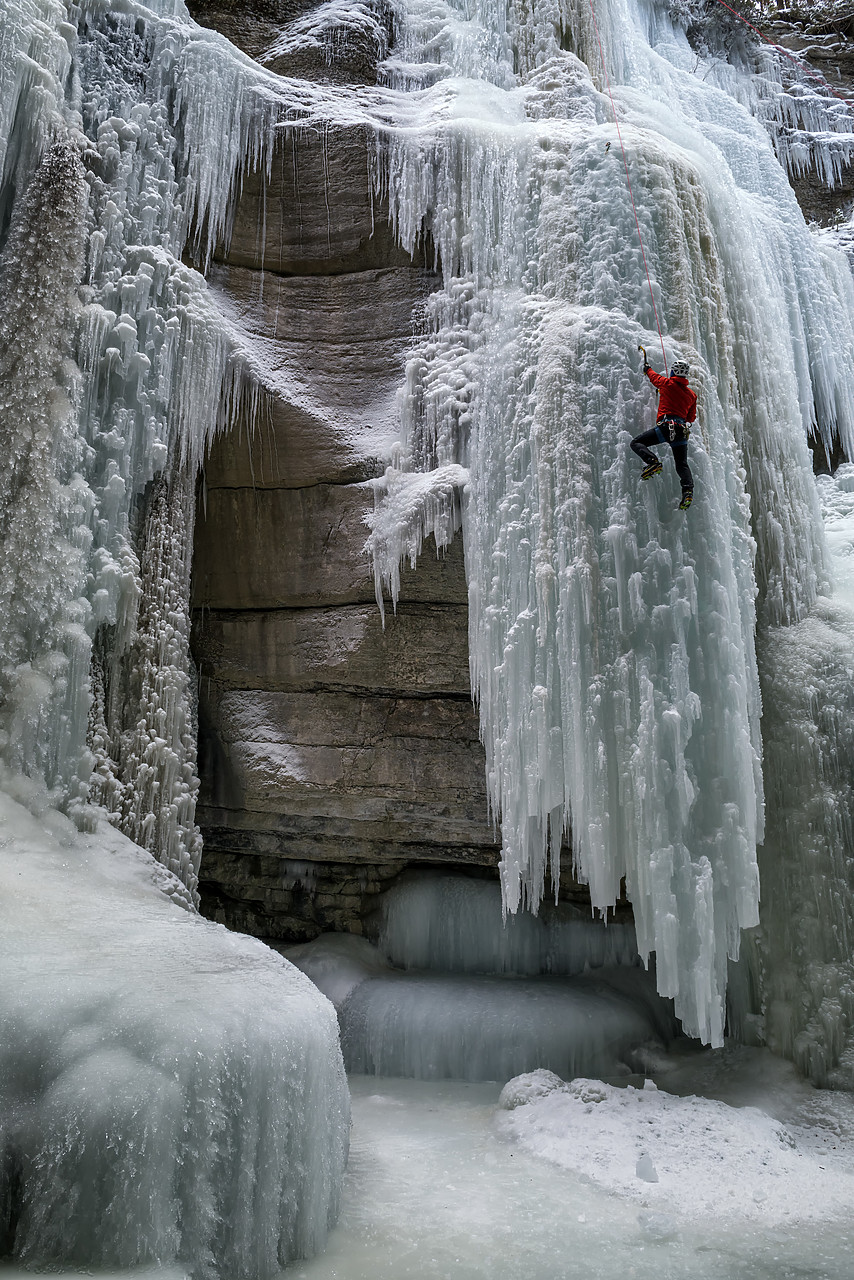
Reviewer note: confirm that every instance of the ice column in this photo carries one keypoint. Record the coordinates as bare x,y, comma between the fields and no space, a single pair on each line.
116,371
612,640
803,952
156,755
45,503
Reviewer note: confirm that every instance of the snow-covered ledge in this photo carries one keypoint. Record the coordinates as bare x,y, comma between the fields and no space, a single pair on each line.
169,1091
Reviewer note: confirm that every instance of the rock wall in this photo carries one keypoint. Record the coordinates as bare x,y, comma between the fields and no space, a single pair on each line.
333,753
828,46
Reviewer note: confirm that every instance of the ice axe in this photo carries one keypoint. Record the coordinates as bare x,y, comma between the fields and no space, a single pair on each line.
643,349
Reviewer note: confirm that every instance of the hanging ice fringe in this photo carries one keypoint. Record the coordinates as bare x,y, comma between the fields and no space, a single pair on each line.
613,643
116,368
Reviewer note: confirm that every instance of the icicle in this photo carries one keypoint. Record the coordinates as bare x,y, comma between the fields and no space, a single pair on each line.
612,643
805,947
157,754
165,116
45,505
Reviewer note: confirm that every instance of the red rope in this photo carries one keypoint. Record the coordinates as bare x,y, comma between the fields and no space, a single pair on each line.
629,182
780,49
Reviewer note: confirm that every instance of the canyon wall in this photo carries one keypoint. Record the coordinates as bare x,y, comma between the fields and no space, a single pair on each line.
334,751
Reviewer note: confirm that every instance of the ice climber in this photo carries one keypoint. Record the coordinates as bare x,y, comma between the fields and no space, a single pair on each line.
677,409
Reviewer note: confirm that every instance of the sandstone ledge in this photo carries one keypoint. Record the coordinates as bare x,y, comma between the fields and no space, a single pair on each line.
301,548
423,649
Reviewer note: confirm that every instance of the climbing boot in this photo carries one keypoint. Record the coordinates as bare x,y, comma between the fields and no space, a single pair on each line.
651,469
687,495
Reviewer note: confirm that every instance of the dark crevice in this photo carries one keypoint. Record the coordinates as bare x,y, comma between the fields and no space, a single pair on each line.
373,692
405,606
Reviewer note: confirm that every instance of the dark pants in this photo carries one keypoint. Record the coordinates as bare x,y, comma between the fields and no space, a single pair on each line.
660,435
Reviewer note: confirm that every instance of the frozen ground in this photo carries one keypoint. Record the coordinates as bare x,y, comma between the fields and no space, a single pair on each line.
437,1188
446,1183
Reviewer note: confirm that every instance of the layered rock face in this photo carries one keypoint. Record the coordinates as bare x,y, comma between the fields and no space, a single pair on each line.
334,752
828,47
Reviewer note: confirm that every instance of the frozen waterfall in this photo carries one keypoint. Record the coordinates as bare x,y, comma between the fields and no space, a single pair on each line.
613,642
667,696
649,683
122,136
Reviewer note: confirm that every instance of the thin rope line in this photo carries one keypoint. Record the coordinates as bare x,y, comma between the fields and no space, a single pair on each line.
629,183
816,75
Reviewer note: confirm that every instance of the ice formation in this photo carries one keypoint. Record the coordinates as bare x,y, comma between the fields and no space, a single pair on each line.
337,963
804,953
329,28
450,992
453,1027
812,131
613,644
142,1120
616,649
122,136
454,924
170,1093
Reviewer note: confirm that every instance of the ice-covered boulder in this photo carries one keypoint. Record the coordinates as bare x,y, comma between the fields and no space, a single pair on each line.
441,998
169,1091
337,963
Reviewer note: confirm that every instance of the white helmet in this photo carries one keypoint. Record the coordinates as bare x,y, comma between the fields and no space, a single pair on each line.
680,369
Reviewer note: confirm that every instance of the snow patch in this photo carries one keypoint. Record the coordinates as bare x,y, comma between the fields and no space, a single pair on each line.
667,1152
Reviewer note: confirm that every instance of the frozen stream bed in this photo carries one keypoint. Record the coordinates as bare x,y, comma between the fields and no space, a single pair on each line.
437,1190
437,1187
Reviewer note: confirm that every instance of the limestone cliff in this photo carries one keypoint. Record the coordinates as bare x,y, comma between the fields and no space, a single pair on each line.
334,753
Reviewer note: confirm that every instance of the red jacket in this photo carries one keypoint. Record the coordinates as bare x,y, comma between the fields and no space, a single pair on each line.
676,399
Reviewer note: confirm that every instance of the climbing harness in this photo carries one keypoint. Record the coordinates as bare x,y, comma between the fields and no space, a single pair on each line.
675,428
628,181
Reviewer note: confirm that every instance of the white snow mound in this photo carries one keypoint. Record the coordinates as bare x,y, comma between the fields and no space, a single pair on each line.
676,1154
169,1091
